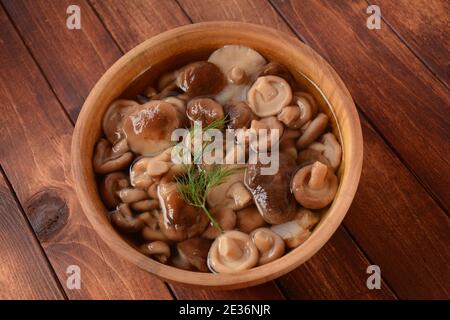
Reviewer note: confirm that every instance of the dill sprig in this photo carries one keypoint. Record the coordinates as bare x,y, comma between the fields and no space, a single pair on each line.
194,185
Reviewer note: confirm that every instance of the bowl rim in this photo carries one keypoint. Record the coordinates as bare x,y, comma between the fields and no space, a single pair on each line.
332,87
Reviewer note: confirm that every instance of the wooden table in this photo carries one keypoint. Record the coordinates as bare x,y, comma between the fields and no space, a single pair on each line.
398,76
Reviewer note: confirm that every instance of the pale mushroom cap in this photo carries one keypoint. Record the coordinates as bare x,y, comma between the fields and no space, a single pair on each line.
314,186
292,233
148,130
330,148
113,119
270,245
269,95
144,170
231,252
240,65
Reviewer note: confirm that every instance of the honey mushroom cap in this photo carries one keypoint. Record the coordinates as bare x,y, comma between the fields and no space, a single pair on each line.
314,186
113,119
240,65
110,185
107,159
200,78
145,170
123,219
330,148
151,230
249,219
231,252
157,249
194,251
270,245
149,128
239,115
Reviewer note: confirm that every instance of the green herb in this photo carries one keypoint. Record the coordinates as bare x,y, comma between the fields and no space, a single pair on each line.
194,185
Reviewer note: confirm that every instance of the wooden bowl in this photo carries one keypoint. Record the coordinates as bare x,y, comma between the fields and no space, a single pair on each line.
174,48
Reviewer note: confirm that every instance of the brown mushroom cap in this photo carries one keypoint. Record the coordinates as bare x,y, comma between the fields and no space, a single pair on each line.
239,115
249,219
274,131
288,148
123,219
240,65
271,193
310,99
110,185
113,119
330,148
108,159
205,110
149,128
314,186
269,244
309,156
268,95
225,217
195,251
231,252
179,220
313,130
200,79
279,70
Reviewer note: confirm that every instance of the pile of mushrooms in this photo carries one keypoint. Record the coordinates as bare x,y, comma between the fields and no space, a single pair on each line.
257,218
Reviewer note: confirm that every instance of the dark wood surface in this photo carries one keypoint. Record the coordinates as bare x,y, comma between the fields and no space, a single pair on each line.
398,77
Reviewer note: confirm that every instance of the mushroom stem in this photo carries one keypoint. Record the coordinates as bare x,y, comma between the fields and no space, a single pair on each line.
318,176
229,249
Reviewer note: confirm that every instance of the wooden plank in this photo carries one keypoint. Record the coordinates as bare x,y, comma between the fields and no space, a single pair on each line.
403,99
407,201
119,24
24,269
424,26
34,125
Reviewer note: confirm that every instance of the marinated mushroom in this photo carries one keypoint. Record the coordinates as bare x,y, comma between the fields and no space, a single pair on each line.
330,148
309,156
274,130
157,249
113,119
314,186
108,159
240,65
297,231
249,219
110,185
225,217
200,79
148,129
239,115
130,195
230,193
205,110
268,95
269,244
271,193
231,252
296,115
145,169
151,230
123,219
179,220
288,148
313,130
145,205
277,69
195,251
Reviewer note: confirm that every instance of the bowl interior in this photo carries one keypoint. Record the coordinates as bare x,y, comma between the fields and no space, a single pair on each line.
145,63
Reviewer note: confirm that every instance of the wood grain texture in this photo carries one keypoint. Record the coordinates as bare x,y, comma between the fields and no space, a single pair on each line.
403,99
265,15
24,270
34,124
371,215
424,25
